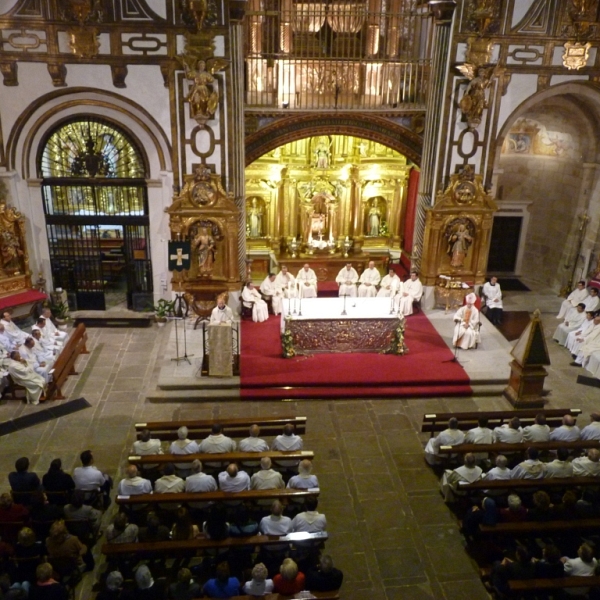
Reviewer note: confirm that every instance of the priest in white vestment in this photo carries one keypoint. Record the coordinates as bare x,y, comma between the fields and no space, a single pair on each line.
221,313
577,337
52,329
24,375
493,300
468,473
268,288
590,345
466,331
286,282
412,291
48,342
573,299
347,279
47,350
571,323
6,342
592,302
251,298
369,280
17,336
391,285
41,367
307,282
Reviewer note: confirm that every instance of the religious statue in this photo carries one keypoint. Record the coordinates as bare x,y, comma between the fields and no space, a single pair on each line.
322,155
255,215
374,219
205,245
459,240
474,102
202,97
11,252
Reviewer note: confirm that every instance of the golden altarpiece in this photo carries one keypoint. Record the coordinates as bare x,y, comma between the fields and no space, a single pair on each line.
457,237
325,200
206,215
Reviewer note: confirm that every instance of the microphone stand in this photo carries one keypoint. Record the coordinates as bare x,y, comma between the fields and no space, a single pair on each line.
455,357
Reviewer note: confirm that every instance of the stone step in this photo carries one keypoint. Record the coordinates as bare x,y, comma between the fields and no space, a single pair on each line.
196,383
488,390
197,395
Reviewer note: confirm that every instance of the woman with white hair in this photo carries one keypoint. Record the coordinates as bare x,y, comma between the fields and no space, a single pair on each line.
259,585
466,331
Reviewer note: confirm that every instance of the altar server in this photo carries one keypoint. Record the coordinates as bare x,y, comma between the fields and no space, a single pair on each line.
221,313
577,337
286,282
572,323
466,332
5,342
269,289
347,279
590,345
573,299
35,361
17,336
251,297
412,292
391,285
369,280
592,302
307,282
51,328
24,375
493,300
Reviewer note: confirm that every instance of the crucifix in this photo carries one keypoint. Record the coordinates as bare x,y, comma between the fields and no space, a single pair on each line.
179,257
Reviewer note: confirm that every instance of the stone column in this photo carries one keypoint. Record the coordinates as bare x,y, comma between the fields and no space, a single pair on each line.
442,11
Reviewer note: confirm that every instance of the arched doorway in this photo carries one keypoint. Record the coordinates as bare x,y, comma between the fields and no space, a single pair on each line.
547,182
96,208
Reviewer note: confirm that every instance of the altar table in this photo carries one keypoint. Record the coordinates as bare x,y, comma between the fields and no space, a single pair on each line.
368,325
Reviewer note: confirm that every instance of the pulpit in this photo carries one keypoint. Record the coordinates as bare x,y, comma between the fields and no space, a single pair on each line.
220,350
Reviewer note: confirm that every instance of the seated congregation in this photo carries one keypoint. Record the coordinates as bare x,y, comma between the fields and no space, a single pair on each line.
527,496
200,529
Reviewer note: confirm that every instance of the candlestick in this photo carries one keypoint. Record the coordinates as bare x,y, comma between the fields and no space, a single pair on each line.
300,306
344,311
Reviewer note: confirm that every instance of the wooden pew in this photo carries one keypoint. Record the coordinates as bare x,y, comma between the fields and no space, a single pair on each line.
434,422
65,363
530,585
224,458
499,448
184,497
170,548
529,484
236,428
534,527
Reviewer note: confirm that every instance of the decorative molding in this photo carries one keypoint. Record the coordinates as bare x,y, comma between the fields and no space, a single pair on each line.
58,72
9,72
442,10
540,19
119,73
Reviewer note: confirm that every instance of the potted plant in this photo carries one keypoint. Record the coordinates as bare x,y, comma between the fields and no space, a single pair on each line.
60,310
162,310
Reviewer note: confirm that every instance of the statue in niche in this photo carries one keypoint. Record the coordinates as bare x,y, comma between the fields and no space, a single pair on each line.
202,97
460,239
374,219
205,245
474,102
322,153
11,253
255,216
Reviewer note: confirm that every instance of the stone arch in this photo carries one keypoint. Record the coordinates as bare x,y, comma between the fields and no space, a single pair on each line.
370,127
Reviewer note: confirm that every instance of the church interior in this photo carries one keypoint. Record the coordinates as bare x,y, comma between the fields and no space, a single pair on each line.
156,156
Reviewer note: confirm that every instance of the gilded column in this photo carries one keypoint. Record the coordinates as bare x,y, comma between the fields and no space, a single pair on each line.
278,237
443,12
355,225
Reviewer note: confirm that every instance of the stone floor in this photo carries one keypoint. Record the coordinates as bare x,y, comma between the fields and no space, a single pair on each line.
390,531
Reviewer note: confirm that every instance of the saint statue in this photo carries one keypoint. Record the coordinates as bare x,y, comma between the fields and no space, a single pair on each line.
459,241
205,244
374,219
10,246
203,98
322,155
255,219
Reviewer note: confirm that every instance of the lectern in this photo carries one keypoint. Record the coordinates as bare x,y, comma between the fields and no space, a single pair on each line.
220,350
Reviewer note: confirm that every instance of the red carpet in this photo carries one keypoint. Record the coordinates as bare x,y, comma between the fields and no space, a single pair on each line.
421,372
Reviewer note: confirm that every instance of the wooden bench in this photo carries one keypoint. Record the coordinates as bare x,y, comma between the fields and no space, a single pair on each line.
65,363
500,448
530,585
235,428
224,458
434,422
534,527
185,497
172,547
525,484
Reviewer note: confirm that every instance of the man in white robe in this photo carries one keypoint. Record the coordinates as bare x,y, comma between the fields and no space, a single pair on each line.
449,437
391,285
17,336
50,352
592,302
52,330
579,294
24,375
221,313
412,291
468,473
466,331
493,300
590,345
286,282
587,466
307,282
530,468
48,342
41,367
347,279
572,323
251,298
269,289
6,342
369,280
577,337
